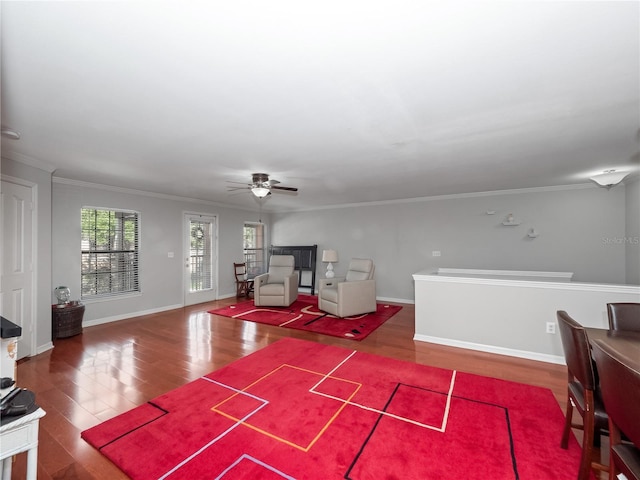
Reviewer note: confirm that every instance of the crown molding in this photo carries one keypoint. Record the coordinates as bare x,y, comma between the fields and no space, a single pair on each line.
517,191
132,191
555,188
29,161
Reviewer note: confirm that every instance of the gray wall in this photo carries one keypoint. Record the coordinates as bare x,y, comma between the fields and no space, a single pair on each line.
42,267
161,231
578,229
632,238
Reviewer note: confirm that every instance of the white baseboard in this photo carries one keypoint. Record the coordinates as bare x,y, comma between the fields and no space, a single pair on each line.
115,318
395,300
229,295
44,348
541,357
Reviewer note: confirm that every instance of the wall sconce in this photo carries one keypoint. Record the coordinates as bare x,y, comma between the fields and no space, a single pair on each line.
609,178
330,257
10,133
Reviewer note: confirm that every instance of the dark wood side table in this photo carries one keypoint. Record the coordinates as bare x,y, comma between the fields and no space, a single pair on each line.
66,320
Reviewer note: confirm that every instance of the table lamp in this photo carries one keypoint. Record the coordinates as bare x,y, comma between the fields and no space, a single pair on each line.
330,257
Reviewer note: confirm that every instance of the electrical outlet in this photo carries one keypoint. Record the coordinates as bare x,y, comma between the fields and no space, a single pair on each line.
435,253
551,327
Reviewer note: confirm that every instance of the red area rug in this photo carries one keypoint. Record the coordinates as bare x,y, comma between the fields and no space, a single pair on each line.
303,314
302,410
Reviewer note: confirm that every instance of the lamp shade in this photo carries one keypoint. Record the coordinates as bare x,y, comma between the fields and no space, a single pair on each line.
260,192
609,178
330,256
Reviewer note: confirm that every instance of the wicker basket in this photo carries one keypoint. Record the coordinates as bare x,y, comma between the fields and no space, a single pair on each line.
66,321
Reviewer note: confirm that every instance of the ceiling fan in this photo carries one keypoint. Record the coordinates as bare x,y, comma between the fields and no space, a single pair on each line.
261,186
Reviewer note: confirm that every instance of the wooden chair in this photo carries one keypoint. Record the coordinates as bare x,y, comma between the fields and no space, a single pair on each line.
624,316
583,393
244,286
620,384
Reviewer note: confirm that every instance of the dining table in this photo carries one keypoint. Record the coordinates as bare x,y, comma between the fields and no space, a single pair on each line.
624,342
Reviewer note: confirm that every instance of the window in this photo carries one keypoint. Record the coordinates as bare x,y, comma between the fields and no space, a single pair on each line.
254,248
109,252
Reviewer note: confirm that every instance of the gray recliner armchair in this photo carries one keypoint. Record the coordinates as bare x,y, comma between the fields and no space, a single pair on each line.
279,286
351,295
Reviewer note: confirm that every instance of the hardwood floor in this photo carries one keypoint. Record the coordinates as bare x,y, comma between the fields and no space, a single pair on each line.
110,368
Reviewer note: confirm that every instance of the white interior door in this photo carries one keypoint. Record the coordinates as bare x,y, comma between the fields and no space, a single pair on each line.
16,286
200,259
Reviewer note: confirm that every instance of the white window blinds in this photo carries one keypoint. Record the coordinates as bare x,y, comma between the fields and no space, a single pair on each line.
110,252
254,248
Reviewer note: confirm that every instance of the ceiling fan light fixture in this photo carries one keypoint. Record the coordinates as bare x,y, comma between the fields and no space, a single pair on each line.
609,178
9,133
260,191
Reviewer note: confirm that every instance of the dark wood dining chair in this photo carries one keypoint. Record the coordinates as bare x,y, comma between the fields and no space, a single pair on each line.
583,393
620,385
244,286
624,316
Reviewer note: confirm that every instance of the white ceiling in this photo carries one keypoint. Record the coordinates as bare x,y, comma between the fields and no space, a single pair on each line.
348,101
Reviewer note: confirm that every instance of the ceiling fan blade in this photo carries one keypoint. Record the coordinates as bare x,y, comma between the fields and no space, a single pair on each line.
238,192
288,189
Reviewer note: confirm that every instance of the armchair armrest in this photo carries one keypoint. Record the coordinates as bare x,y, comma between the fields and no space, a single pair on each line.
258,281
330,282
360,287
291,287
261,279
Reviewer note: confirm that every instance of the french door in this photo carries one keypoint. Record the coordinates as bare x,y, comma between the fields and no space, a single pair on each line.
200,258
